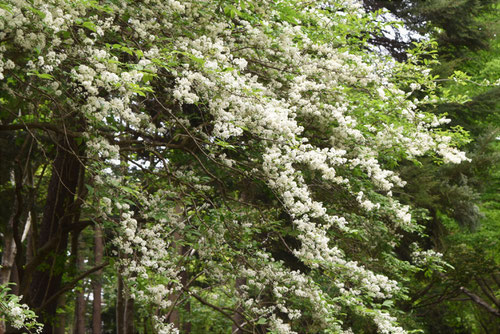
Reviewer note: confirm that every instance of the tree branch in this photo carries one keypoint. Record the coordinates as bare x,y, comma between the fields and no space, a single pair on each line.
478,300
74,282
41,126
217,308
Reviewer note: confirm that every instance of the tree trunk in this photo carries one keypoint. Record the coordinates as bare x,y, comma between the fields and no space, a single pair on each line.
79,325
9,252
60,325
80,313
57,217
97,282
129,316
120,307
174,317
124,309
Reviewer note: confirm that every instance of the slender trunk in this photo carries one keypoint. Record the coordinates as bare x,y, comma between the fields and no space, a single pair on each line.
79,325
174,317
57,217
7,262
129,316
60,325
8,270
120,307
8,255
124,309
187,323
97,282
80,314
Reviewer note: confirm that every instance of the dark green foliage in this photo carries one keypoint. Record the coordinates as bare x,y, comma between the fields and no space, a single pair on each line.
454,23
461,200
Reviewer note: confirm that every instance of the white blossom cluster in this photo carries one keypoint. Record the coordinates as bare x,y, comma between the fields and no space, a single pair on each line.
16,314
427,258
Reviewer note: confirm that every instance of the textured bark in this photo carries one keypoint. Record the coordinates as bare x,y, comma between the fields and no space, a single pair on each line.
97,282
60,325
13,226
8,255
129,316
57,216
79,325
9,252
124,310
120,307
174,316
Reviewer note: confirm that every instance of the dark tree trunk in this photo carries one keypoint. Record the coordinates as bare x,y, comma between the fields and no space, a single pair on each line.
80,313
124,309
79,325
120,307
129,316
97,282
60,325
8,254
174,317
55,225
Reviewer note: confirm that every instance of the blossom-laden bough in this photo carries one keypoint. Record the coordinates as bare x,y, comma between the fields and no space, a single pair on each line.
242,152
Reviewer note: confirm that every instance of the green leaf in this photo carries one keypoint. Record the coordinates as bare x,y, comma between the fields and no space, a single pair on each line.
89,25
41,75
230,11
37,12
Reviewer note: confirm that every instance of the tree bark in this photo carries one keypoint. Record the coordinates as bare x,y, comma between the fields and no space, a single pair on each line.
120,307
79,325
57,216
60,325
97,282
129,316
9,252
174,317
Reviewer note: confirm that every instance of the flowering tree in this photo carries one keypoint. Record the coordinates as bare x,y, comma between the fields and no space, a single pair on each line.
238,154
